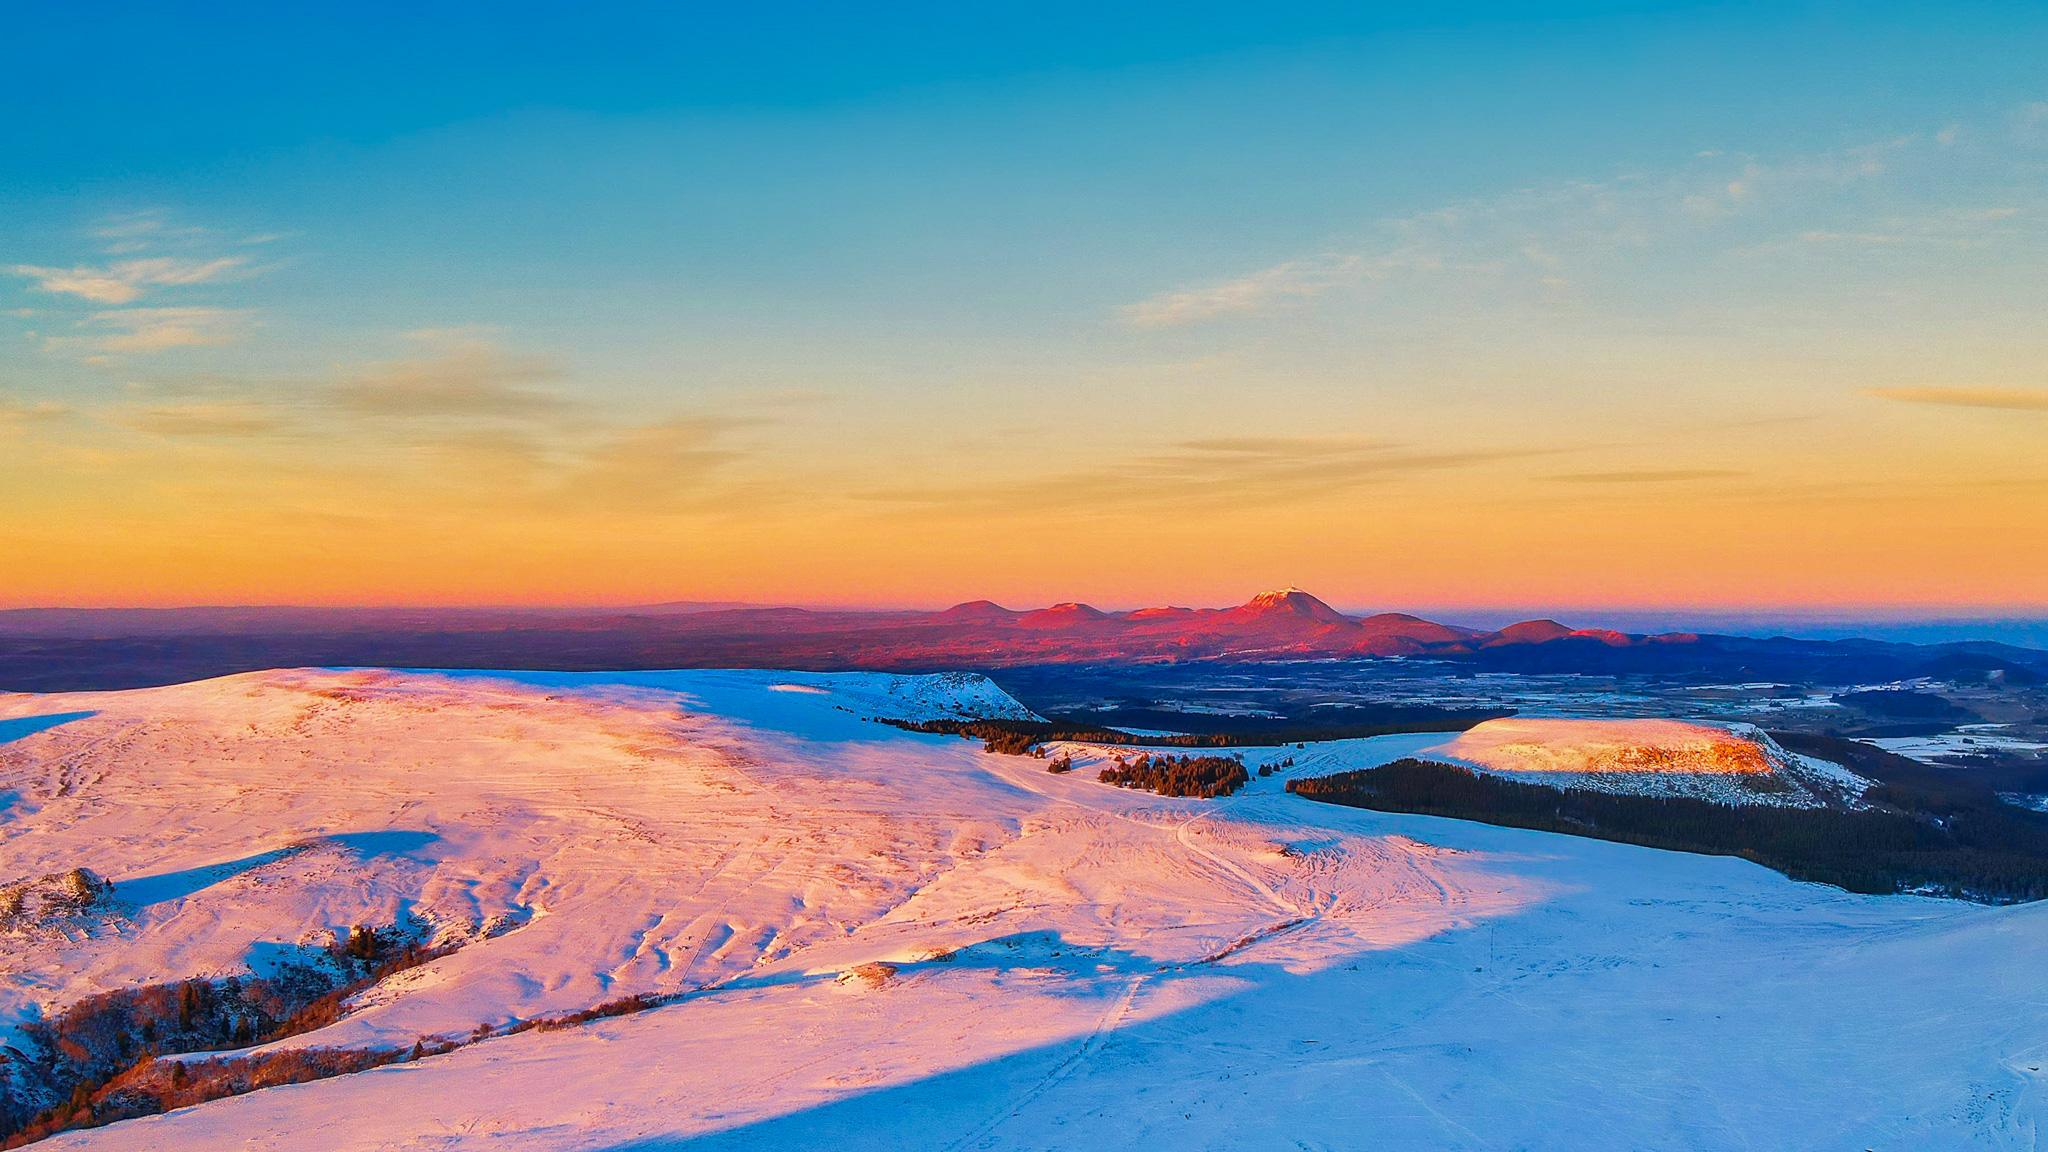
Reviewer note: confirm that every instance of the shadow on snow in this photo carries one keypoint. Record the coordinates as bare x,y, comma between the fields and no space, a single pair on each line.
19,727
164,887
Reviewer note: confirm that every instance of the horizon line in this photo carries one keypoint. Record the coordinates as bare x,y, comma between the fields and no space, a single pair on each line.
1906,612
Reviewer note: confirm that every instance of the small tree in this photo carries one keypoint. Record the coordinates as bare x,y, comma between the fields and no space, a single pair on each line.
362,944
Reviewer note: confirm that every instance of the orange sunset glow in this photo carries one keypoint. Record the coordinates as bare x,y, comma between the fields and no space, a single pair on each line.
1024,577
912,345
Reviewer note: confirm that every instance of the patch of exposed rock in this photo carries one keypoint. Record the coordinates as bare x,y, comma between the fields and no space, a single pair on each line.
47,902
871,976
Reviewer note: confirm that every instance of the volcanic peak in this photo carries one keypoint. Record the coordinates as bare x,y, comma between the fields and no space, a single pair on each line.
1061,615
1528,632
1403,625
1290,602
1167,612
1607,636
980,610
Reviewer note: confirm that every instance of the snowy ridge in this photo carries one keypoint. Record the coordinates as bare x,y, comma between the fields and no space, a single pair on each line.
876,939
937,696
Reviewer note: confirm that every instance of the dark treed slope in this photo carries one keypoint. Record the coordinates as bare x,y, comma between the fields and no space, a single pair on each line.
1930,834
1194,730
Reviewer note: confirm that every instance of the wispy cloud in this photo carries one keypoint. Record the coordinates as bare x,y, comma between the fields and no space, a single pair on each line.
1275,449
461,335
1235,473
476,380
233,418
1647,476
1539,243
125,281
306,459
655,466
16,414
149,228
158,329
1820,236
161,258
2027,399
1262,291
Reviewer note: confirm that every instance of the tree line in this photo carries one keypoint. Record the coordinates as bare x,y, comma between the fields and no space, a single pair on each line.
1945,844
1203,777
1019,737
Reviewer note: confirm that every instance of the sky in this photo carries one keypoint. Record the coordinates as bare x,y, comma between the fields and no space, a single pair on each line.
1714,307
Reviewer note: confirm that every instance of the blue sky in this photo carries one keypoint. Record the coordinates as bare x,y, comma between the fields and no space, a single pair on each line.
794,268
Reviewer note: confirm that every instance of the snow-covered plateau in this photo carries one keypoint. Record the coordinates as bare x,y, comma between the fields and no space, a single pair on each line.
1722,763
866,938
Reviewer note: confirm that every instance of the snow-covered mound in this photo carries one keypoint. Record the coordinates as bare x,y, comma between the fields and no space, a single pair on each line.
1728,764
255,815
938,696
865,938
1519,745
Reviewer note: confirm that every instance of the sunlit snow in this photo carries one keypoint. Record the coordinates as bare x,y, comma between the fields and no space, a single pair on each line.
882,939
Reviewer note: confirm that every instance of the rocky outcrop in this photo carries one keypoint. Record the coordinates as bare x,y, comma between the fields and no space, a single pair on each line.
48,902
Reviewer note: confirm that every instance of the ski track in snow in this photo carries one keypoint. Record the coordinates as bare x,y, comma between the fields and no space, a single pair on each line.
1078,966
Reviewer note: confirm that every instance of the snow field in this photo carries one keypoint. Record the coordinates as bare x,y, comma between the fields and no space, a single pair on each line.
1077,966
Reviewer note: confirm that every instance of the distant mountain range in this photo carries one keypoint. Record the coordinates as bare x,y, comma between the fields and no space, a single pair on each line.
45,649
1285,624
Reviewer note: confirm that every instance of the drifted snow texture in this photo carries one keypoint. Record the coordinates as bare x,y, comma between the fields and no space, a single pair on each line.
898,940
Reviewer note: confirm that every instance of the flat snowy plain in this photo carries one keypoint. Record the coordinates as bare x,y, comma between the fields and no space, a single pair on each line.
1077,966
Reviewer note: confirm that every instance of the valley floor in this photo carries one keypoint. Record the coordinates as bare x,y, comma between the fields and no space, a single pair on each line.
1075,966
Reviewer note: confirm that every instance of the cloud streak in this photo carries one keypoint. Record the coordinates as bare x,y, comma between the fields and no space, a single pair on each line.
1210,474
15,415
475,381
126,281
2021,399
1538,242
474,428
1647,476
1293,282
148,330
233,418
653,467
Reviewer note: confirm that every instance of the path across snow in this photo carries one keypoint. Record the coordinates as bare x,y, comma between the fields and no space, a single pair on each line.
1077,966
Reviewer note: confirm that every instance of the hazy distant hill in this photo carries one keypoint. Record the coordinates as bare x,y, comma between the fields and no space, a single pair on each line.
47,649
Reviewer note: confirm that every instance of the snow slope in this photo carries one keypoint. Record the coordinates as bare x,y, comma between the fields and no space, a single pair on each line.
1076,966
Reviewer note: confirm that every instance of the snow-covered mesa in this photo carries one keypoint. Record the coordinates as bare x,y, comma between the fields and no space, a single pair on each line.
1521,745
882,939
1724,763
